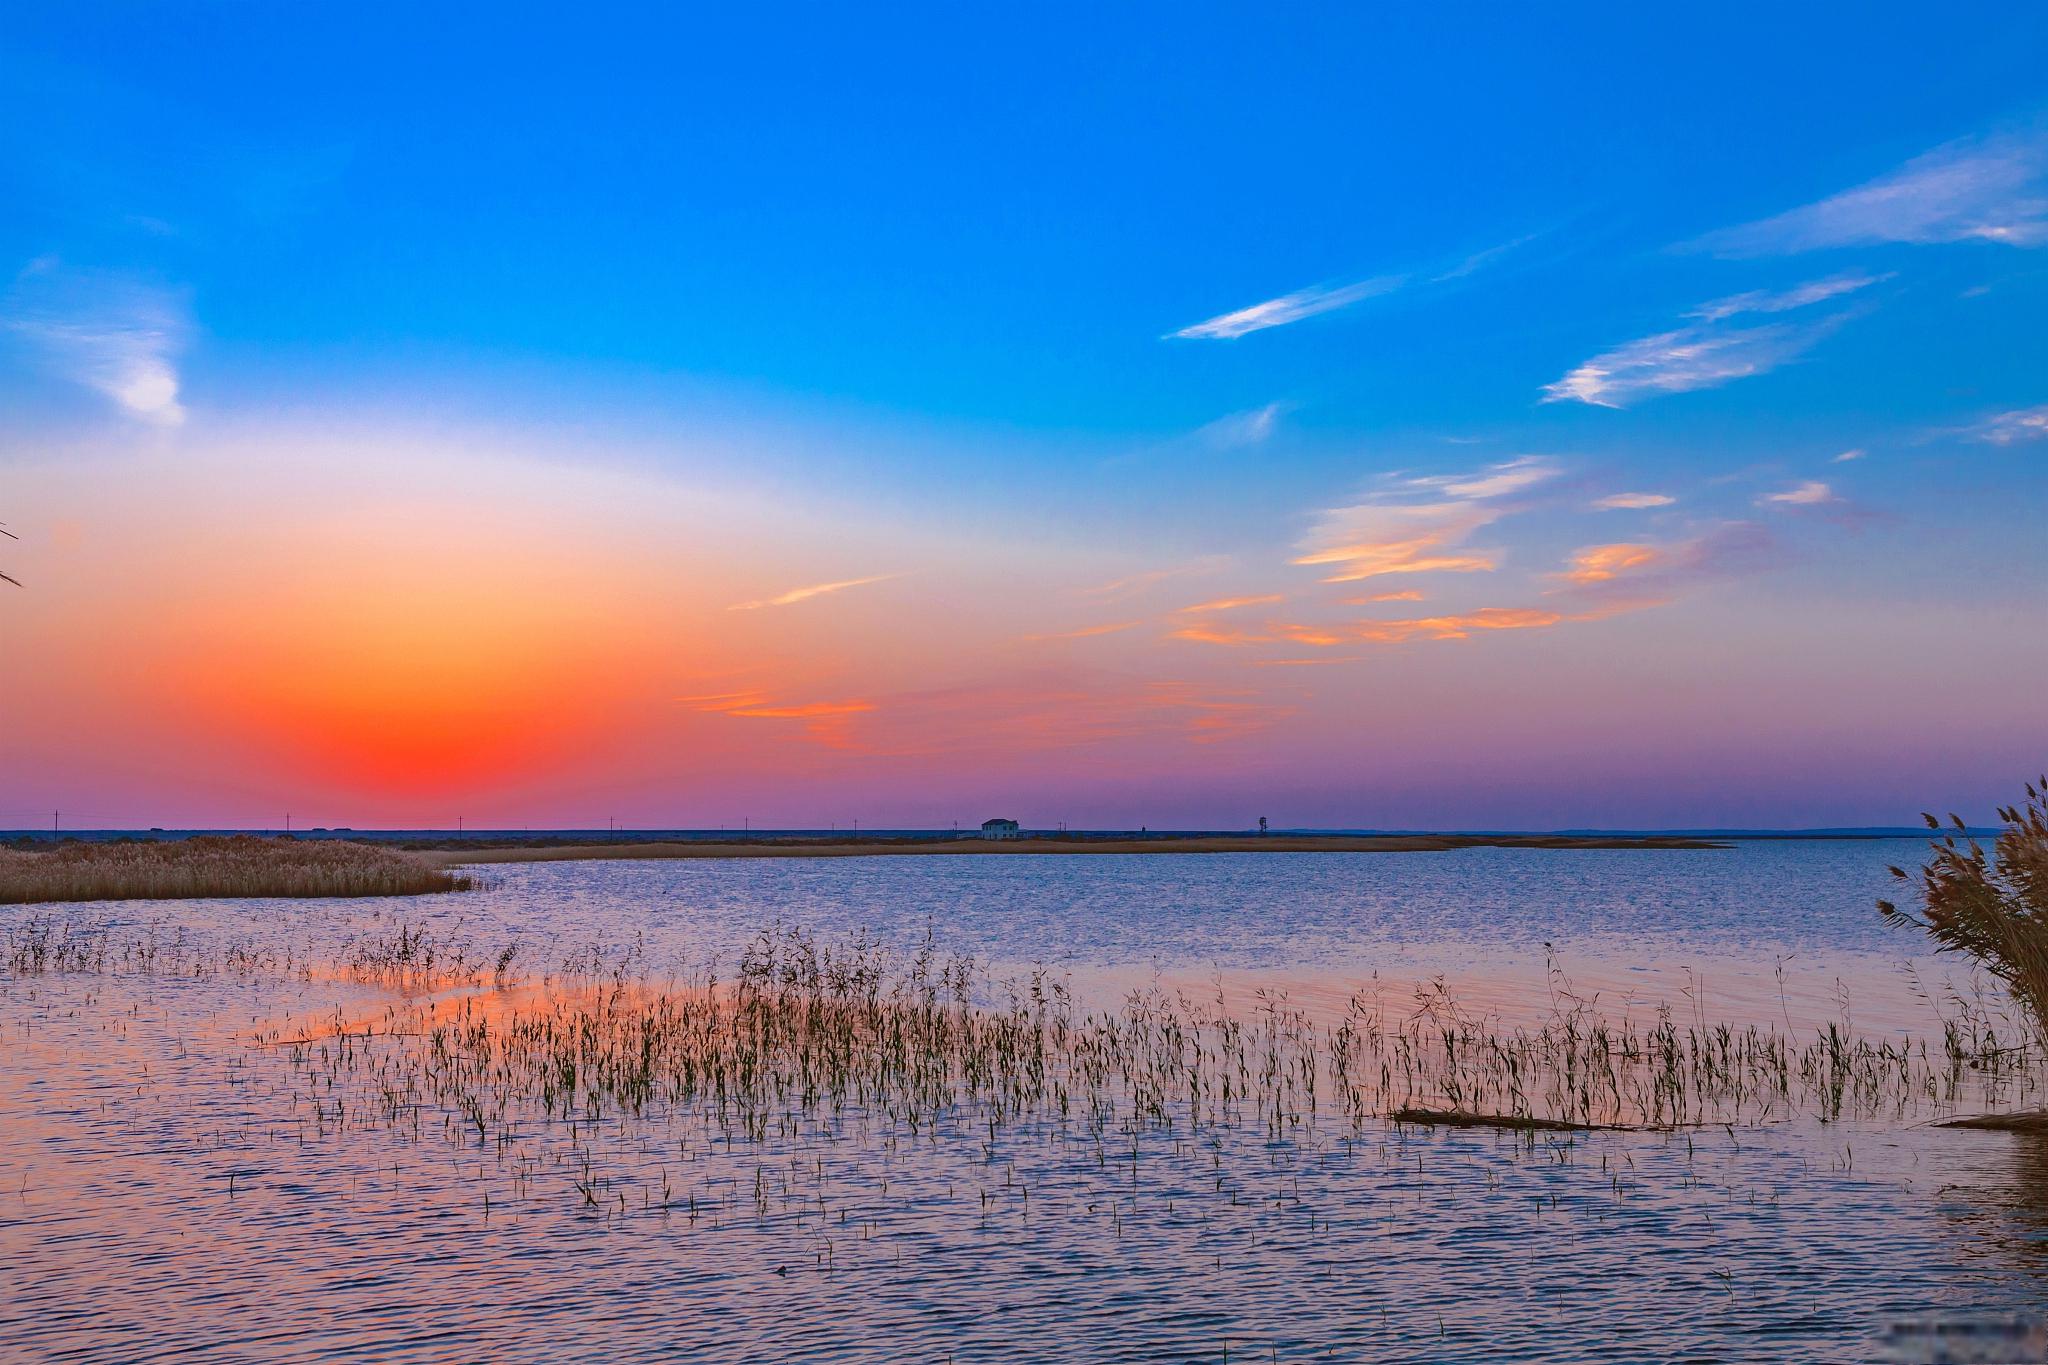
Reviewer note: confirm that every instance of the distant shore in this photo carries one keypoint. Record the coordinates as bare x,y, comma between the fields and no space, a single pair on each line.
878,848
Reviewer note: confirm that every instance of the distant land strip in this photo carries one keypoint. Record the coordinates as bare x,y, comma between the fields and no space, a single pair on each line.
873,848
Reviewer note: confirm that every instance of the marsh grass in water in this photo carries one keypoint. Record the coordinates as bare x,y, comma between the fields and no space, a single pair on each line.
806,1031
217,866
838,1107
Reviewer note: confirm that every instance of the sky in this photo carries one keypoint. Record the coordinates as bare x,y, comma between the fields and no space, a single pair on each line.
1366,417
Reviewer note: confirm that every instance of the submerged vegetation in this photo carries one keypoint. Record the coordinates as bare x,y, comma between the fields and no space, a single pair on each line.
216,866
1992,908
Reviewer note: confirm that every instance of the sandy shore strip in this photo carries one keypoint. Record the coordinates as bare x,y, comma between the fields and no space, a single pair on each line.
881,848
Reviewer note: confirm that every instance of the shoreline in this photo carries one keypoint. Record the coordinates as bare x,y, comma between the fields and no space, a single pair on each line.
971,846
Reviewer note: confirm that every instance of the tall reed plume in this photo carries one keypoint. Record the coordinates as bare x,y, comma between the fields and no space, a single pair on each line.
1992,908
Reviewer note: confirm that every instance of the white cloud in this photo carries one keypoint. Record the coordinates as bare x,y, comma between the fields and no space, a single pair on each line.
1479,260
805,594
1524,471
1992,189
1702,357
1629,502
1784,300
1808,494
1302,303
1846,456
2011,428
1248,428
115,335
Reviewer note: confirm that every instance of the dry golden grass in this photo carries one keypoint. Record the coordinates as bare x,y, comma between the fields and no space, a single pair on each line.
1993,908
213,865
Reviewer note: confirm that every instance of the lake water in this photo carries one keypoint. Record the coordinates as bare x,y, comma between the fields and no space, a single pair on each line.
171,1186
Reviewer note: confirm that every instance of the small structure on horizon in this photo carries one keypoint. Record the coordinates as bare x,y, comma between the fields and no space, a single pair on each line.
999,829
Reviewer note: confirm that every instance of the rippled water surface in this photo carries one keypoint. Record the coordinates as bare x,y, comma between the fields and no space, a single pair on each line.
173,1183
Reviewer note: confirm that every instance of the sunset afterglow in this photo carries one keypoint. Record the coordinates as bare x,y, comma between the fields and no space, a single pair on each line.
1120,519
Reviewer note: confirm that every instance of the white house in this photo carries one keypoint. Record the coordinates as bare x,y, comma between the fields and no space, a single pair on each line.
999,829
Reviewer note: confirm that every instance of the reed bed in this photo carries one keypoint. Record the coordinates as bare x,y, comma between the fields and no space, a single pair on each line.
813,1073
795,1091
217,866
808,1032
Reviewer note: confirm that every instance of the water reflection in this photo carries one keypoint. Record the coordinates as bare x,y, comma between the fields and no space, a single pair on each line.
164,1186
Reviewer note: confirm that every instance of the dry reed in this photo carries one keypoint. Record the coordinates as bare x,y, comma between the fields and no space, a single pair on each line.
217,866
1992,908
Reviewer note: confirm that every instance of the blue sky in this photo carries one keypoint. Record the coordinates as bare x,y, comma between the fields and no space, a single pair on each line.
1167,285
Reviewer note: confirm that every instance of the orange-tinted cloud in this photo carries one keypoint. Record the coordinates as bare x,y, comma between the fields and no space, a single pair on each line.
1089,632
1233,603
1307,635
1014,718
826,721
1456,627
1203,633
805,594
1605,563
1387,532
1368,541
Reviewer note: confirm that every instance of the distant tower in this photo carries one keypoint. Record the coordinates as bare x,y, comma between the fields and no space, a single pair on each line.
1262,824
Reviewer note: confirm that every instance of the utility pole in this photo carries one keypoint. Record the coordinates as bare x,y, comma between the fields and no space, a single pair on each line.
53,822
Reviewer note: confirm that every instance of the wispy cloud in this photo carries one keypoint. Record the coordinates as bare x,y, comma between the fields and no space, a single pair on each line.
1989,189
1233,603
1045,712
1709,353
1702,357
1785,300
1630,575
1208,633
1479,260
1458,627
1605,563
1451,626
1131,585
1252,427
1632,502
1411,595
1302,303
1498,481
1089,632
1627,576
1811,493
1307,663
763,706
1390,533
116,335
1370,539
826,722
805,594
2012,428
1846,456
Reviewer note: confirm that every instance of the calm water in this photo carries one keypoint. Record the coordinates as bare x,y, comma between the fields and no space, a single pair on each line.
166,1188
